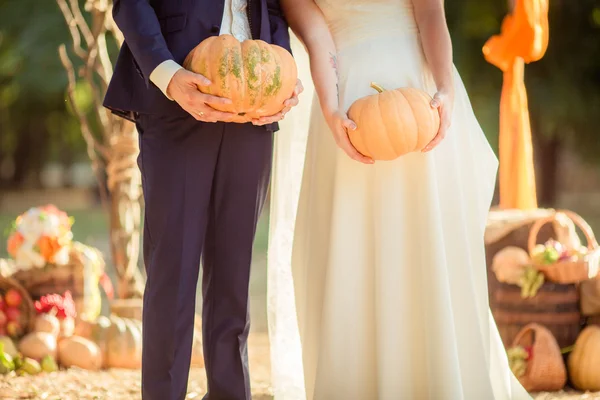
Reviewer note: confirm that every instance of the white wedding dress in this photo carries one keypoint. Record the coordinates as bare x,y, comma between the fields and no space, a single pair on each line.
388,259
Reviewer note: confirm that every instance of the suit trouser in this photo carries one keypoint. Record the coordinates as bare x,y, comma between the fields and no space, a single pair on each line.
204,187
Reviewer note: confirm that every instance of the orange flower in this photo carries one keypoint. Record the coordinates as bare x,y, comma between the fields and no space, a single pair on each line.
14,242
48,247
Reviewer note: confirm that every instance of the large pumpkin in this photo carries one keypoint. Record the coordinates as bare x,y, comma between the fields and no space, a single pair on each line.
119,339
392,123
584,361
256,76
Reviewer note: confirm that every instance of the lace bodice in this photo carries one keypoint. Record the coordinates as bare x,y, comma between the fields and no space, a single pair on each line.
355,20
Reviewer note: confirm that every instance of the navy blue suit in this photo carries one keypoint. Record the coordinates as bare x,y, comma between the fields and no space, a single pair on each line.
204,187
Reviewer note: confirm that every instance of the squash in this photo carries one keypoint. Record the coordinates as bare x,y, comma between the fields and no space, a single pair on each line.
38,345
584,361
76,351
47,323
125,344
119,340
9,346
509,264
392,123
256,76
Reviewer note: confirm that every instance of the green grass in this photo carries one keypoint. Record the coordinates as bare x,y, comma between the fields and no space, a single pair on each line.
91,227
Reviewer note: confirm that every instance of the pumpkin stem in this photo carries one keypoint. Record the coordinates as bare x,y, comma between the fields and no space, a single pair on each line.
377,87
567,349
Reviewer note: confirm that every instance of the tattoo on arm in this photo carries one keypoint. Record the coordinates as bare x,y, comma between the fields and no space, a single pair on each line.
333,62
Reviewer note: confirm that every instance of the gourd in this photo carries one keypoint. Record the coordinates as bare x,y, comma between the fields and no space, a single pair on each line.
119,340
584,361
79,352
256,76
47,323
393,123
38,345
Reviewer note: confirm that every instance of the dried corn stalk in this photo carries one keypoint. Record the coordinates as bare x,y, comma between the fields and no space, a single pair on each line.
113,146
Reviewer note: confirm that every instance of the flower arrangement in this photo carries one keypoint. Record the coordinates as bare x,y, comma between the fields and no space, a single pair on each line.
553,251
40,236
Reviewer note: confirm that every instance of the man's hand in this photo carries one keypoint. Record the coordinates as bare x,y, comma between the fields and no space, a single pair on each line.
288,104
183,88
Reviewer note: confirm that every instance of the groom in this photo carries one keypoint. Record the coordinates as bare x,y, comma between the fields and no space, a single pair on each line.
204,180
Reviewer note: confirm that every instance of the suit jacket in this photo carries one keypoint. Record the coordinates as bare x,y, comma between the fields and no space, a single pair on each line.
159,30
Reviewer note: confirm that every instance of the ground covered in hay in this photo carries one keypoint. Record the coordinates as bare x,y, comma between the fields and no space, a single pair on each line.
76,384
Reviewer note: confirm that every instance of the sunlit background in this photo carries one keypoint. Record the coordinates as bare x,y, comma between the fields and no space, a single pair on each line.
43,156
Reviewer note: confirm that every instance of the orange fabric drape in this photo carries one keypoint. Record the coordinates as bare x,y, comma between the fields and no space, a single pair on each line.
523,39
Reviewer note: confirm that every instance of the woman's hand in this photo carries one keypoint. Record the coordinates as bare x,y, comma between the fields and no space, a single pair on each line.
288,104
443,100
340,124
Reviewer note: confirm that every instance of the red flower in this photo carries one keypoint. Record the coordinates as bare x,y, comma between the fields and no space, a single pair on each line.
61,306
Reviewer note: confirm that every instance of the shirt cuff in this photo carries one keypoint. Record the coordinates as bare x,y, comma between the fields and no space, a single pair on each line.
162,75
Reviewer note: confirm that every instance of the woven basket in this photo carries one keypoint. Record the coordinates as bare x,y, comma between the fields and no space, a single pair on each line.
28,312
546,369
568,271
80,276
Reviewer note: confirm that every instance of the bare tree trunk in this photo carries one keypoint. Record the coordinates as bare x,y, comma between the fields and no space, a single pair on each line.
113,151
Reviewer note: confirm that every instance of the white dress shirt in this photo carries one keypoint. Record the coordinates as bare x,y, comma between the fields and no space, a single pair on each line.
235,22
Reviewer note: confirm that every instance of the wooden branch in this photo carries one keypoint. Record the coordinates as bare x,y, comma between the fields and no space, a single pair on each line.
104,59
81,22
72,25
93,146
98,18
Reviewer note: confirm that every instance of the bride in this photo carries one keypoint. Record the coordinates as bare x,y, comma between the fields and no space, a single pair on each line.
388,257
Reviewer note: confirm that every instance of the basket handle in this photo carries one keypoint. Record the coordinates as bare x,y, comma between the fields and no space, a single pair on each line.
592,243
524,331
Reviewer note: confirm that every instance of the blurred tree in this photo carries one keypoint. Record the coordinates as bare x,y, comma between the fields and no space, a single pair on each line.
563,88
35,125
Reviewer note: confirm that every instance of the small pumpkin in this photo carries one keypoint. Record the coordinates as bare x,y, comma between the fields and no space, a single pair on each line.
38,345
256,76
9,346
392,123
47,323
79,352
584,361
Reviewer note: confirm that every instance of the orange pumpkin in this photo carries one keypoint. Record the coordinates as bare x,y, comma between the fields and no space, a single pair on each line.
119,340
256,76
584,361
392,123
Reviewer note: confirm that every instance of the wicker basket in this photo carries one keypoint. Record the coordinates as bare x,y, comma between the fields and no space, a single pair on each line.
546,369
568,271
80,276
28,312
